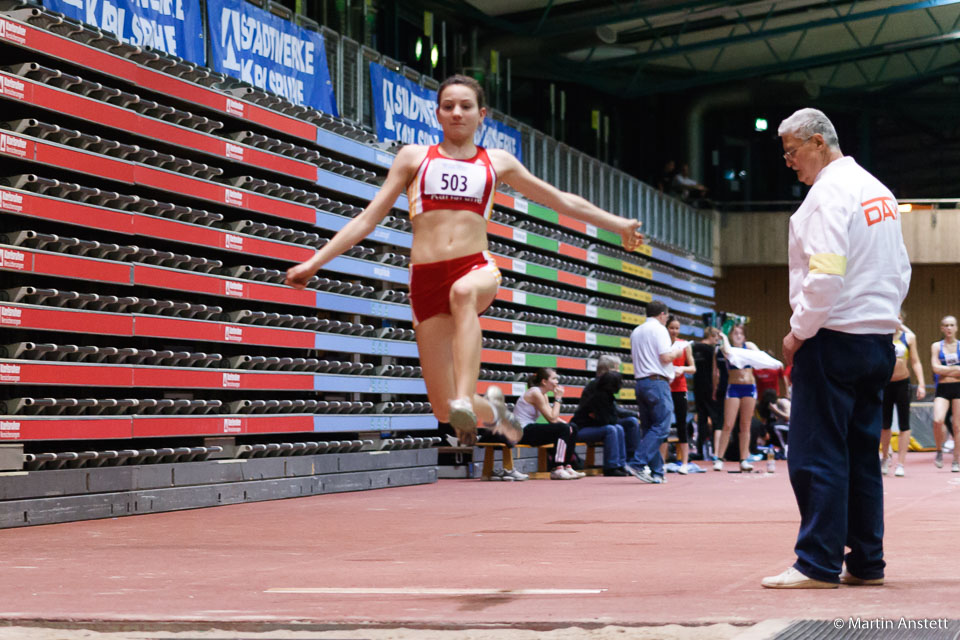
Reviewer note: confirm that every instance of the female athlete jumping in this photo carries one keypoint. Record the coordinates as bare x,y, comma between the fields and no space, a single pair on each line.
453,278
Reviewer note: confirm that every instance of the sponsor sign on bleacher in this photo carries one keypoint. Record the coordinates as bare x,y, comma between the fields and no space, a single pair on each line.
171,26
269,52
496,135
405,111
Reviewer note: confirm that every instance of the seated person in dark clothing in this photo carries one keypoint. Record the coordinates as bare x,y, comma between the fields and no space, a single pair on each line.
597,418
626,418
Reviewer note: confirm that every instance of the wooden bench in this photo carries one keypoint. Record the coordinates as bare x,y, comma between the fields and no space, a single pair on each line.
543,451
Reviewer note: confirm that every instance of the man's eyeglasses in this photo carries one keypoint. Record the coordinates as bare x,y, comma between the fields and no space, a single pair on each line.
788,156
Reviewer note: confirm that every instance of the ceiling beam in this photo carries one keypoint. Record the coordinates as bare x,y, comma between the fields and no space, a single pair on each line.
812,62
573,19
766,33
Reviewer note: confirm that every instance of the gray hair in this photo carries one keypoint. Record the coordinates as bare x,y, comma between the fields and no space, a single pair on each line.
805,123
606,363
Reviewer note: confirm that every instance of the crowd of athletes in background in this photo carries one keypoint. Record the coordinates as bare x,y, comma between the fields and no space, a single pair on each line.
727,402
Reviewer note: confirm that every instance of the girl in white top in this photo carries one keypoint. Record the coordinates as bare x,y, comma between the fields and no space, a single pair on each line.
741,400
555,431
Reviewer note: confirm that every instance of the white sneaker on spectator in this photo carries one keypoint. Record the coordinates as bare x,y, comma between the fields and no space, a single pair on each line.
560,473
570,470
644,475
885,466
513,474
634,471
899,471
746,465
718,465
793,579
682,469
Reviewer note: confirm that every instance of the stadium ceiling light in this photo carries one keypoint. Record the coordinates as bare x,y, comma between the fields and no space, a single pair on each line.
418,49
434,56
760,124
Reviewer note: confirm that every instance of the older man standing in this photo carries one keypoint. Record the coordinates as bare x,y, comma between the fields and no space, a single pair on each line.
849,273
653,358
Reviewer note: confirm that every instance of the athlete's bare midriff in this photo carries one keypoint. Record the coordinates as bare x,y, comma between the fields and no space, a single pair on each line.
444,234
900,370
741,376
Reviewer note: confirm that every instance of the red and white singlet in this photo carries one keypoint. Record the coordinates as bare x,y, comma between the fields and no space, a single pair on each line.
446,183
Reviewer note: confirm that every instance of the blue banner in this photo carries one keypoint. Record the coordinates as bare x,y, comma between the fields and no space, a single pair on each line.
171,26
497,135
269,52
405,111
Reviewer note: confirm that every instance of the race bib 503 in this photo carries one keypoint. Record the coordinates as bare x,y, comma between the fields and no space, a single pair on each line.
455,180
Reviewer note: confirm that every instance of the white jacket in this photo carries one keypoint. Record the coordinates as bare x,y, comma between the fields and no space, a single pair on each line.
849,269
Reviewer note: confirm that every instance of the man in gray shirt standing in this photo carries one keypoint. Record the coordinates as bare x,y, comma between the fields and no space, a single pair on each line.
653,359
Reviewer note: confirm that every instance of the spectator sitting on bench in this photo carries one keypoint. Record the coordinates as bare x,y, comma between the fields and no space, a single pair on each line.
554,431
597,418
627,419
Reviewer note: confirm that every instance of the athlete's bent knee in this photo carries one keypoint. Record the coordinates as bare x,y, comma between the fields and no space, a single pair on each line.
462,294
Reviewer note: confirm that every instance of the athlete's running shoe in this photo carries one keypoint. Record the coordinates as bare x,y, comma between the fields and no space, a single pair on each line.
464,421
504,421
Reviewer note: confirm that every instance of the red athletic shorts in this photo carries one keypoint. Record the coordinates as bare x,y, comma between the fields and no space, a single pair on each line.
430,282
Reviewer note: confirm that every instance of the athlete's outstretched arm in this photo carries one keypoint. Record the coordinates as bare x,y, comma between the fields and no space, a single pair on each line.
512,172
360,227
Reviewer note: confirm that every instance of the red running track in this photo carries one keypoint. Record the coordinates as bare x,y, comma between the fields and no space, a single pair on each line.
692,551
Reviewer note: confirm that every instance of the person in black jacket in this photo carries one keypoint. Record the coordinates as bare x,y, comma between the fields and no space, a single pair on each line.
597,418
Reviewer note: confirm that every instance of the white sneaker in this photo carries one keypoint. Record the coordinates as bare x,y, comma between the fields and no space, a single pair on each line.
938,460
509,476
885,466
504,421
848,578
573,472
955,467
746,465
718,465
561,474
793,579
682,469
464,421
899,471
